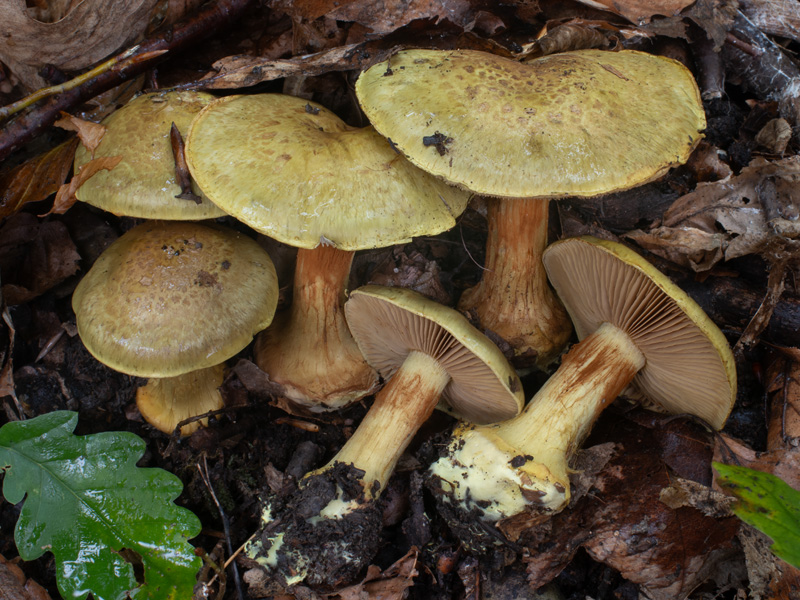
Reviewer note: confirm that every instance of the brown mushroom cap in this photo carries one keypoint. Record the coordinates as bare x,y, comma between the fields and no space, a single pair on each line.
169,298
389,323
689,366
144,183
578,123
294,171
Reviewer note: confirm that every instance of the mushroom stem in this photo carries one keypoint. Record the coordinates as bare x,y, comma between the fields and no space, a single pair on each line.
166,401
513,298
524,462
309,349
399,410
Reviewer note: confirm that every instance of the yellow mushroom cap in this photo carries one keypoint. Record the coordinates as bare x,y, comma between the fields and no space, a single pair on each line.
689,366
167,298
578,123
294,171
389,322
144,183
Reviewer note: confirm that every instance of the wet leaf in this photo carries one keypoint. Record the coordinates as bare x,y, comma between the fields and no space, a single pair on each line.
36,178
89,133
65,197
88,504
15,586
767,503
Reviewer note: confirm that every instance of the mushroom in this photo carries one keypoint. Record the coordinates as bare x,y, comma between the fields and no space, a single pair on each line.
294,171
580,123
636,328
427,351
144,184
172,301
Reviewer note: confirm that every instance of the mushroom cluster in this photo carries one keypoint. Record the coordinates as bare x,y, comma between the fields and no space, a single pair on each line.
636,327
294,171
581,123
428,353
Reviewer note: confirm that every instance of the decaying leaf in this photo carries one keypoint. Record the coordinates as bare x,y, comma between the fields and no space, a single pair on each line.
15,586
65,197
640,11
729,218
89,133
782,383
34,257
385,16
625,524
92,30
390,584
413,271
36,178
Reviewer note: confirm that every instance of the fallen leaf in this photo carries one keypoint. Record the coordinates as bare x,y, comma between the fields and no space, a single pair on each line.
91,31
782,383
385,16
36,178
412,271
639,11
89,133
623,522
65,197
34,257
390,584
15,586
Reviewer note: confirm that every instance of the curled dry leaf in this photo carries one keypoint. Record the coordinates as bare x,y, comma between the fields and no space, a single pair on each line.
36,178
92,30
640,11
89,133
65,197
761,202
15,586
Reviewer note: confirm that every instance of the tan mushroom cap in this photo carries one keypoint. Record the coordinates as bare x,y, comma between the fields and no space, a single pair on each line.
144,183
579,123
169,298
390,322
296,172
689,366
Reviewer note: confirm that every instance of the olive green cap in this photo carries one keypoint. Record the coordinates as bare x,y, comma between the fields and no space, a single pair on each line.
689,366
579,123
296,172
389,322
167,298
144,183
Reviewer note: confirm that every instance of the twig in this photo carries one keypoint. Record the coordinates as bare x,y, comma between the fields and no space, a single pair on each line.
225,525
154,49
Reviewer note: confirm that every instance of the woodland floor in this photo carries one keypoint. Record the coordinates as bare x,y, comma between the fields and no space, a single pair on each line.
621,540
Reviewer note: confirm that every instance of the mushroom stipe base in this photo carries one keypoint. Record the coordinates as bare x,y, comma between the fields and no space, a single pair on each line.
297,545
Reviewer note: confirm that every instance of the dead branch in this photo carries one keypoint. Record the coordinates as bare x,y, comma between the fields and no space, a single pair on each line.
155,48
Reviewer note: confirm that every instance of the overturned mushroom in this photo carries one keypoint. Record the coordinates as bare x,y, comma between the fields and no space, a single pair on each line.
429,352
294,171
172,302
636,328
581,123
144,184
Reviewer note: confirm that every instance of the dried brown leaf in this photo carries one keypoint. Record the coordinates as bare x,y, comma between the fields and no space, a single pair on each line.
782,384
752,209
89,133
640,11
413,271
65,197
91,31
15,586
782,462
34,257
385,16
390,584
36,178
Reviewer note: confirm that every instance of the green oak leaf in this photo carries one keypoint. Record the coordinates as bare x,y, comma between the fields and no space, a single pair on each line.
86,501
767,503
